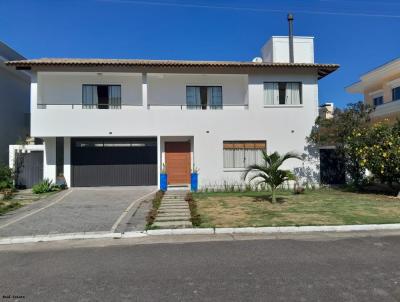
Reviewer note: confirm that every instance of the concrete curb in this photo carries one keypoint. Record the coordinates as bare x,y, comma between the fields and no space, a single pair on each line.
200,231
59,237
181,232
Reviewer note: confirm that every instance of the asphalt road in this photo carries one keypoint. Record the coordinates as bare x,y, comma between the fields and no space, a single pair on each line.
355,269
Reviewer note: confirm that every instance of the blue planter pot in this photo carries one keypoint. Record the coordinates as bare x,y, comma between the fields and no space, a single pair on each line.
194,182
163,182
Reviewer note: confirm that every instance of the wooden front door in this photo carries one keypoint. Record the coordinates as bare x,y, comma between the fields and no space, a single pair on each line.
177,159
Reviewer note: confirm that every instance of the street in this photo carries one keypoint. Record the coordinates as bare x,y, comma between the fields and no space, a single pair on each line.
303,269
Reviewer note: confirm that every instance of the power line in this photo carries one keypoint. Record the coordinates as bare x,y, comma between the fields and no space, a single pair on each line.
253,9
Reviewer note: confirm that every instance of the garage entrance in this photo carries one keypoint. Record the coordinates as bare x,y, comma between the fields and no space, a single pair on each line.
113,162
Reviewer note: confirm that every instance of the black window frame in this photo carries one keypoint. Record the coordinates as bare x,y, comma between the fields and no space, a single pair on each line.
102,106
207,105
396,90
279,97
377,101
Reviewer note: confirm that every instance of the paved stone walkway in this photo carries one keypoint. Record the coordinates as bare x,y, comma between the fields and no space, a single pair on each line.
73,211
174,211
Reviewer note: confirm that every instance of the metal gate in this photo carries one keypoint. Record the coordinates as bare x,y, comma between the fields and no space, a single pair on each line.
332,168
29,169
113,162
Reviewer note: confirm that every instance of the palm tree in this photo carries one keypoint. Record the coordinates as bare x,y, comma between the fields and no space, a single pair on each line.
269,172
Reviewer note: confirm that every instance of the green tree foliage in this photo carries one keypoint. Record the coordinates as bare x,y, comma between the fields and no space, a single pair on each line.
377,148
269,173
336,130
6,177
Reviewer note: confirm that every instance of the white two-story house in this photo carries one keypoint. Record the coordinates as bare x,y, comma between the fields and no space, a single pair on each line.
111,122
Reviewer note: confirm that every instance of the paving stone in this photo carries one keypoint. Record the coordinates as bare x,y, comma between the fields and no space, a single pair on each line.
172,218
172,224
174,211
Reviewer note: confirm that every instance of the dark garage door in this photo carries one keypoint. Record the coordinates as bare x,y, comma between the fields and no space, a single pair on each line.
114,162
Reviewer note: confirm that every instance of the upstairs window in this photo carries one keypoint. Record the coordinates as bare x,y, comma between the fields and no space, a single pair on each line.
101,96
240,154
203,97
396,94
378,101
282,93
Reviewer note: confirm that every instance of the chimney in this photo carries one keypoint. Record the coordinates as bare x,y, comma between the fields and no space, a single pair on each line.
291,52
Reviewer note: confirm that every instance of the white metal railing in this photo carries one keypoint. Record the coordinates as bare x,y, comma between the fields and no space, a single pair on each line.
81,106
198,107
386,108
149,106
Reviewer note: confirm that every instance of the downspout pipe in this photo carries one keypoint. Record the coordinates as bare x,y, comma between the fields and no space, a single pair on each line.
290,19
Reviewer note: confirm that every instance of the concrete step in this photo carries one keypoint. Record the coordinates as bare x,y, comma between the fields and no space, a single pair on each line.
176,212
167,211
172,224
183,215
172,218
174,207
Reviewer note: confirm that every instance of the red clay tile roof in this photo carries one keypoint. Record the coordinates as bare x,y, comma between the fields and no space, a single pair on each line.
323,69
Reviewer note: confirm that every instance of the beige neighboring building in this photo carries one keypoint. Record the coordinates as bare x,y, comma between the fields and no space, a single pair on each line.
381,89
326,111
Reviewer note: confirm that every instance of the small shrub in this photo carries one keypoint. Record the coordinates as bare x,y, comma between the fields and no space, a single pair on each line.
7,194
44,187
6,177
298,189
195,217
189,197
6,207
156,202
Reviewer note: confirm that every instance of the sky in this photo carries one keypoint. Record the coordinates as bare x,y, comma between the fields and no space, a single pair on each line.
357,34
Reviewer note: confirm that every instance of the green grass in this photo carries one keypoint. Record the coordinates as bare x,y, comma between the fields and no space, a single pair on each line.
8,205
319,207
13,204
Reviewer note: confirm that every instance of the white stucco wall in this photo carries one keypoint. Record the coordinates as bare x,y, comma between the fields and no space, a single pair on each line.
283,127
171,88
66,88
277,50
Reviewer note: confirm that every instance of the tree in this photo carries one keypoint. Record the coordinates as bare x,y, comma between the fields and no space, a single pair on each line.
378,150
269,172
335,132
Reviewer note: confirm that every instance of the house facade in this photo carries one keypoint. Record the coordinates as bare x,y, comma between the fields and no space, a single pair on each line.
120,122
14,102
381,89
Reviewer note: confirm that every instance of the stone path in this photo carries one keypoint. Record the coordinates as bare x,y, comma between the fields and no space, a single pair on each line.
174,211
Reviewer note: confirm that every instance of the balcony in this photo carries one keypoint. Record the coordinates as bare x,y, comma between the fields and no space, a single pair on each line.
386,109
179,107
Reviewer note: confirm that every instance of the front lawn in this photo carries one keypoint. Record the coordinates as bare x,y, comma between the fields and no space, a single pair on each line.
20,199
319,207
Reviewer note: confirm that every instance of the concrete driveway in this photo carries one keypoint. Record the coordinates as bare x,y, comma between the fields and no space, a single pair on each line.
75,210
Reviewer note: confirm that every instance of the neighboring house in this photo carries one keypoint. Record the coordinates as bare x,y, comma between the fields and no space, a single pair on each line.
14,102
117,121
326,111
381,89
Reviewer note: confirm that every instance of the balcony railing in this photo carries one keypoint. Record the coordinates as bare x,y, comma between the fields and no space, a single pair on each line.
386,108
81,106
198,107
149,106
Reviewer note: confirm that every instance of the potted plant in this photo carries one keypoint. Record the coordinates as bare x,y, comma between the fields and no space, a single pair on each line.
194,179
163,178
